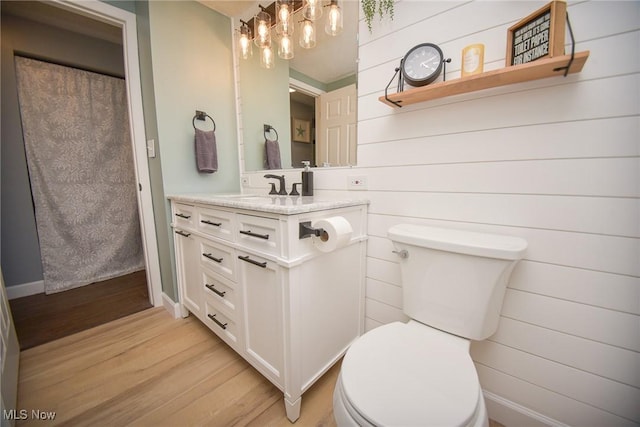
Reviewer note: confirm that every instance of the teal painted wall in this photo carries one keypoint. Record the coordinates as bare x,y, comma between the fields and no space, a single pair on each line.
192,70
264,95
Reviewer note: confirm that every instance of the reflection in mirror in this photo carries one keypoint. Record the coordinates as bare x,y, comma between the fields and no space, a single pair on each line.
323,79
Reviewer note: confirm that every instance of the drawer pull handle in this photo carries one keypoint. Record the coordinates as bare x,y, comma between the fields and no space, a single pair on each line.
212,288
212,258
182,233
181,215
215,224
254,262
250,233
219,323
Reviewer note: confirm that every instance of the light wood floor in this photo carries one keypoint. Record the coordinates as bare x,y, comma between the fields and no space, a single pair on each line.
149,369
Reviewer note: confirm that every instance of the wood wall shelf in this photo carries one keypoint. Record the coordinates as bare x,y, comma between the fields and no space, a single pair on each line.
535,70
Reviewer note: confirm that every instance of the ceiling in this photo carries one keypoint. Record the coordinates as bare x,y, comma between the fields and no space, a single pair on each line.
332,58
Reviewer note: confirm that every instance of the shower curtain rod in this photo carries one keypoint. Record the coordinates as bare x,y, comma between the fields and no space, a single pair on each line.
66,64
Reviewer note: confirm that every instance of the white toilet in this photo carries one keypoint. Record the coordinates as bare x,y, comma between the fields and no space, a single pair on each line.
420,373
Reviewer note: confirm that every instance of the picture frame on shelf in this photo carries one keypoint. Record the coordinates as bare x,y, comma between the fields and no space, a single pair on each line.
539,35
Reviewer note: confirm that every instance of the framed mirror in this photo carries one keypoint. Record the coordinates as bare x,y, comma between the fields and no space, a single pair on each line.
310,100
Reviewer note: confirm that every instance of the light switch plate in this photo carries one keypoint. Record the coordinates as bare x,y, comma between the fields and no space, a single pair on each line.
151,147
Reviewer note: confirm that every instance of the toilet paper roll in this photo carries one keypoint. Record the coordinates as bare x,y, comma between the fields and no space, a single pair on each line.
337,233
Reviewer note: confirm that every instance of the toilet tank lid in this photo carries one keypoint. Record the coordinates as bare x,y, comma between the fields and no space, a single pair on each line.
459,241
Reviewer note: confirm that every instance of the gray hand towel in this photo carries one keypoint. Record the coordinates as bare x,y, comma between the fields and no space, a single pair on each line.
272,154
206,151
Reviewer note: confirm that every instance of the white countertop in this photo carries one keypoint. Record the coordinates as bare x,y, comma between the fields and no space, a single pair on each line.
287,205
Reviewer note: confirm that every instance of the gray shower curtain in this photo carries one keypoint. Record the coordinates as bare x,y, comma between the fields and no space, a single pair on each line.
77,141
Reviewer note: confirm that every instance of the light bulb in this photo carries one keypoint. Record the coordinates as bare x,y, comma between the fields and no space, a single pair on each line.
285,49
266,58
312,9
262,29
284,25
333,25
244,42
307,34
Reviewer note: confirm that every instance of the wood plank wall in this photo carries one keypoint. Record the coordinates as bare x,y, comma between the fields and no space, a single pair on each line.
555,161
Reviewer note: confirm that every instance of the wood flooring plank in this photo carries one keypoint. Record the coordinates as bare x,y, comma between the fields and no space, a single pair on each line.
43,318
149,369
79,390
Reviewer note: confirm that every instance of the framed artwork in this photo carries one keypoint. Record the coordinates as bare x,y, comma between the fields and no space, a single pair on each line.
539,35
301,130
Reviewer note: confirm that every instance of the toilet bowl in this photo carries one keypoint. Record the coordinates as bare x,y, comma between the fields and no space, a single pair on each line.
408,374
420,373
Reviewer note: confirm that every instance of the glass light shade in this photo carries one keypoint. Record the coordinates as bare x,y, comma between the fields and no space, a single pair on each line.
307,34
284,17
266,57
333,24
262,29
245,49
312,9
285,47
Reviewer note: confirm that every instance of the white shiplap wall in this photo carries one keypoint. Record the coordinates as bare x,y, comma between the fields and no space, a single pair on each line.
555,161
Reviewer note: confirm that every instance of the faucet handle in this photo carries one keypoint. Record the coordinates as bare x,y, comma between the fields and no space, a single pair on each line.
294,190
273,188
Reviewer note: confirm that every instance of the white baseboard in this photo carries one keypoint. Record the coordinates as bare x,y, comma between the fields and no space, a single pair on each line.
509,413
172,307
25,289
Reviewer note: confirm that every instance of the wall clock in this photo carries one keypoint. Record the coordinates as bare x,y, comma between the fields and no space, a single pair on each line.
422,64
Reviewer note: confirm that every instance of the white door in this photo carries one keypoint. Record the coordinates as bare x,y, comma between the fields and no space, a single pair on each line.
9,358
336,143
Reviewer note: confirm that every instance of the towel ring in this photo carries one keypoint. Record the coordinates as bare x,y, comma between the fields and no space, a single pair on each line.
268,128
201,115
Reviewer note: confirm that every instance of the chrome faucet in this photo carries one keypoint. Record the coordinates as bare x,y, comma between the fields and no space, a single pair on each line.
283,190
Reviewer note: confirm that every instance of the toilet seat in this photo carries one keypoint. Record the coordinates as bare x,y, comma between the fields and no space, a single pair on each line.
411,374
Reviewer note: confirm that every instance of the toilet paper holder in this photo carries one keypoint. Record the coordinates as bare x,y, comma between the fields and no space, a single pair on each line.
306,230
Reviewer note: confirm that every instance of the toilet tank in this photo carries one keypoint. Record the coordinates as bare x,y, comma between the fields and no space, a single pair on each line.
455,280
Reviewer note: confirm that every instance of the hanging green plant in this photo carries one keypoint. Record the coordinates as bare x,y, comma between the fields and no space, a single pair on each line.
383,7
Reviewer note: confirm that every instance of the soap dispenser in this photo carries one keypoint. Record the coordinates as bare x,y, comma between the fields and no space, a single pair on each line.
307,179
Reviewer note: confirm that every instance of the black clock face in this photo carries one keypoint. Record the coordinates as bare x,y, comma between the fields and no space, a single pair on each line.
422,64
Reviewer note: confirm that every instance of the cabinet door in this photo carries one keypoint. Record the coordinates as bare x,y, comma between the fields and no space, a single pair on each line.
9,359
188,266
263,314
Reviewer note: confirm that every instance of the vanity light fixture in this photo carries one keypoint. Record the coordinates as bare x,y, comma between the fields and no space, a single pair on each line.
266,57
285,47
307,33
333,24
262,28
284,19
312,9
282,12
285,27
244,40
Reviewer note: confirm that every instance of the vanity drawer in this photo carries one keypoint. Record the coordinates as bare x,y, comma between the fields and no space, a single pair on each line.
216,223
219,291
222,325
184,215
218,258
259,233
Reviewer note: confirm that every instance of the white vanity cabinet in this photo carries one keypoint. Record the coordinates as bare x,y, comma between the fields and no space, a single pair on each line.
186,247
290,309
